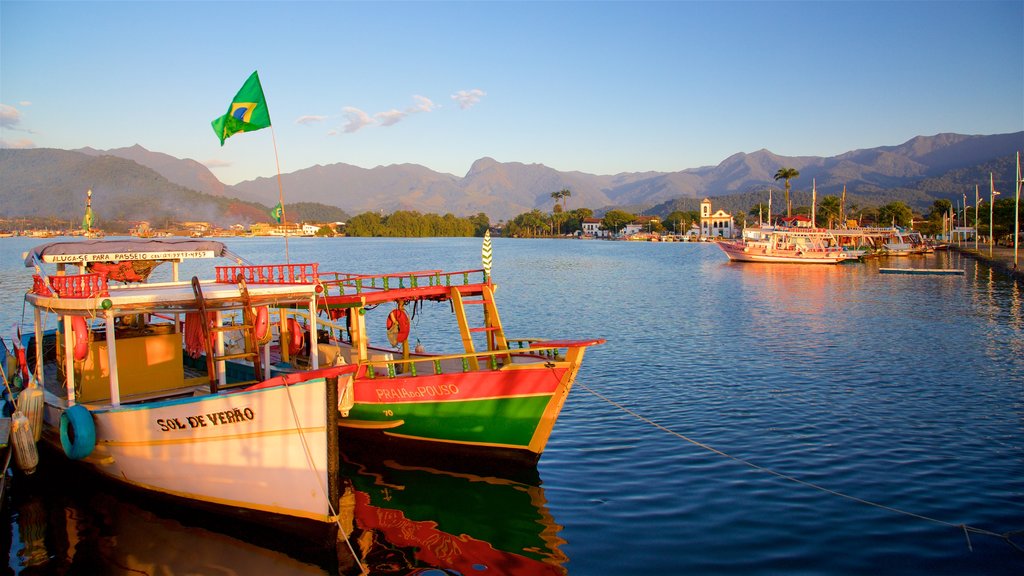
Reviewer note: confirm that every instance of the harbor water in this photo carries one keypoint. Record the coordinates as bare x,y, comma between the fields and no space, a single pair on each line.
751,419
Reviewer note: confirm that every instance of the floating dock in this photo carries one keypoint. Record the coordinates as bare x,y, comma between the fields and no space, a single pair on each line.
932,271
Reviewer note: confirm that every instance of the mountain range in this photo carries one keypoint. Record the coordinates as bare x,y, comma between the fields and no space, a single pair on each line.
135,183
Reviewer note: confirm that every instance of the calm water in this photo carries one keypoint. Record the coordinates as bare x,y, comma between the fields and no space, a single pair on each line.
896,401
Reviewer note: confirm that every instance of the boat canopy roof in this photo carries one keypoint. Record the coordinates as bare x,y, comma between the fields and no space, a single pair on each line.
81,251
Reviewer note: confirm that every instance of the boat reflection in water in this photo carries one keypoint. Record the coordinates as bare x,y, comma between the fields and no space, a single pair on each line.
409,518
92,531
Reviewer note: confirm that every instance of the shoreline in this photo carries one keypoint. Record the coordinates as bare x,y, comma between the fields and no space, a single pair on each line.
1001,258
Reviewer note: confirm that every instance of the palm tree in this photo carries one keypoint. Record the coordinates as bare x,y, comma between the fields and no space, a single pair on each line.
787,174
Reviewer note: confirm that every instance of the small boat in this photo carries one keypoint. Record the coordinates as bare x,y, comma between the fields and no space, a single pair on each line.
786,245
120,399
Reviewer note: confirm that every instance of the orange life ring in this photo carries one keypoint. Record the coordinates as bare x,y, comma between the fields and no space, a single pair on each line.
398,326
295,337
262,325
81,332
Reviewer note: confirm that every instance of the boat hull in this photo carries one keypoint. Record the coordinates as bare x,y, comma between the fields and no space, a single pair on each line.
753,252
510,411
234,450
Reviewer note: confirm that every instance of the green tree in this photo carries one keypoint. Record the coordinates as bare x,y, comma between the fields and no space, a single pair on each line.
828,211
574,219
527,224
365,224
787,174
895,212
616,220
481,223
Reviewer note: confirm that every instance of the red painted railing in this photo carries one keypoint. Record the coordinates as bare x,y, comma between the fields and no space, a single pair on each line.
269,274
73,286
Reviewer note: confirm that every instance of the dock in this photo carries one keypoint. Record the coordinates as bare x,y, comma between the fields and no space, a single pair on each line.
922,271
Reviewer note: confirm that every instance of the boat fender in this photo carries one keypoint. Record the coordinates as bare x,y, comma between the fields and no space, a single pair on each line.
261,328
295,337
77,432
19,353
81,332
398,326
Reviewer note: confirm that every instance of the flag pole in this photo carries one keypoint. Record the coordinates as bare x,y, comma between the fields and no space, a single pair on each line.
991,211
280,195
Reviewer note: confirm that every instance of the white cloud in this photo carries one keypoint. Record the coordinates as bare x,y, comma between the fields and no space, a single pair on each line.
389,118
216,163
356,120
22,143
468,98
310,119
24,103
423,104
9,116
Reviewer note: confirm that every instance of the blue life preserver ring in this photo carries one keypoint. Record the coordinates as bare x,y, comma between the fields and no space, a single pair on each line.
77,432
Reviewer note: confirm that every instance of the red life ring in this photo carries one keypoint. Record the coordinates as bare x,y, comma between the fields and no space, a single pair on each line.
81,332
398,326
296,337
262,325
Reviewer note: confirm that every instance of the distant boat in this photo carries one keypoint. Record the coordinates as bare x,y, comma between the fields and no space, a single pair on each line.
786,245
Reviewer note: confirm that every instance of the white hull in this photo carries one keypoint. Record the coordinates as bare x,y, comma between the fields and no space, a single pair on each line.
761,252
237,449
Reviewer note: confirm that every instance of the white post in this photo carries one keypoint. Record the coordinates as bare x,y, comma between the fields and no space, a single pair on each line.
220,365
976,205
314,351
39,346
115,387
69,360
1016,216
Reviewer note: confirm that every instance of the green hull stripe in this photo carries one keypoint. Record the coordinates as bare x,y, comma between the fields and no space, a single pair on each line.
509,421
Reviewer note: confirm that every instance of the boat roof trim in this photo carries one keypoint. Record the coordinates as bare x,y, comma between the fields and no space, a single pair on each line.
81,251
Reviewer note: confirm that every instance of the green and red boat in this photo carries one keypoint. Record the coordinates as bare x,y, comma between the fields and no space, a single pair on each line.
491,393
488,394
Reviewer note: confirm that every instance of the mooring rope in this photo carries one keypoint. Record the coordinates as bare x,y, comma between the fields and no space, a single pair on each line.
312,467
966,528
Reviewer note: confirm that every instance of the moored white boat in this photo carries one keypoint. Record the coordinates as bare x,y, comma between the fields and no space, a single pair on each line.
780,245
120,399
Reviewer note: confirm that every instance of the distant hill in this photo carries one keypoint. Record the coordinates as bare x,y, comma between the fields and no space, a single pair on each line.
46,182
917,172
504,189
186,172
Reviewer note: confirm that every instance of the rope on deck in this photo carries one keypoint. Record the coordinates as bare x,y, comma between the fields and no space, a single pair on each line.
1007,536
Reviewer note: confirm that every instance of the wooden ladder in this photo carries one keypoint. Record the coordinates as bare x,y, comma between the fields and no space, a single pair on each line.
492,324
247,328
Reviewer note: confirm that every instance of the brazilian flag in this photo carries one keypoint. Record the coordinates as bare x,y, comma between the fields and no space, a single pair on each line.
247,113
277,213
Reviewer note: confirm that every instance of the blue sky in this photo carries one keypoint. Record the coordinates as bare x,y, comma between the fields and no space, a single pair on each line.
598,87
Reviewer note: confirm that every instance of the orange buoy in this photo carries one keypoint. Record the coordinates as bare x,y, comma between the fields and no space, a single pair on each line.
398,326
296,336
81,332
262,325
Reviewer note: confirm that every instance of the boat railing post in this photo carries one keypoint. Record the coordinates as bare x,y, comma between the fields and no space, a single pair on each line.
38,318
69,360
115,387
221,365
314,343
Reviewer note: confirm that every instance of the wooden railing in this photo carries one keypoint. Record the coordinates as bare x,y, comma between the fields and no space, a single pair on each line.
401,280
71,286
268,274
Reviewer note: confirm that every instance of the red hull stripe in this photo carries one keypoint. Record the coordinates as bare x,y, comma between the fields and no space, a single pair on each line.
462,386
